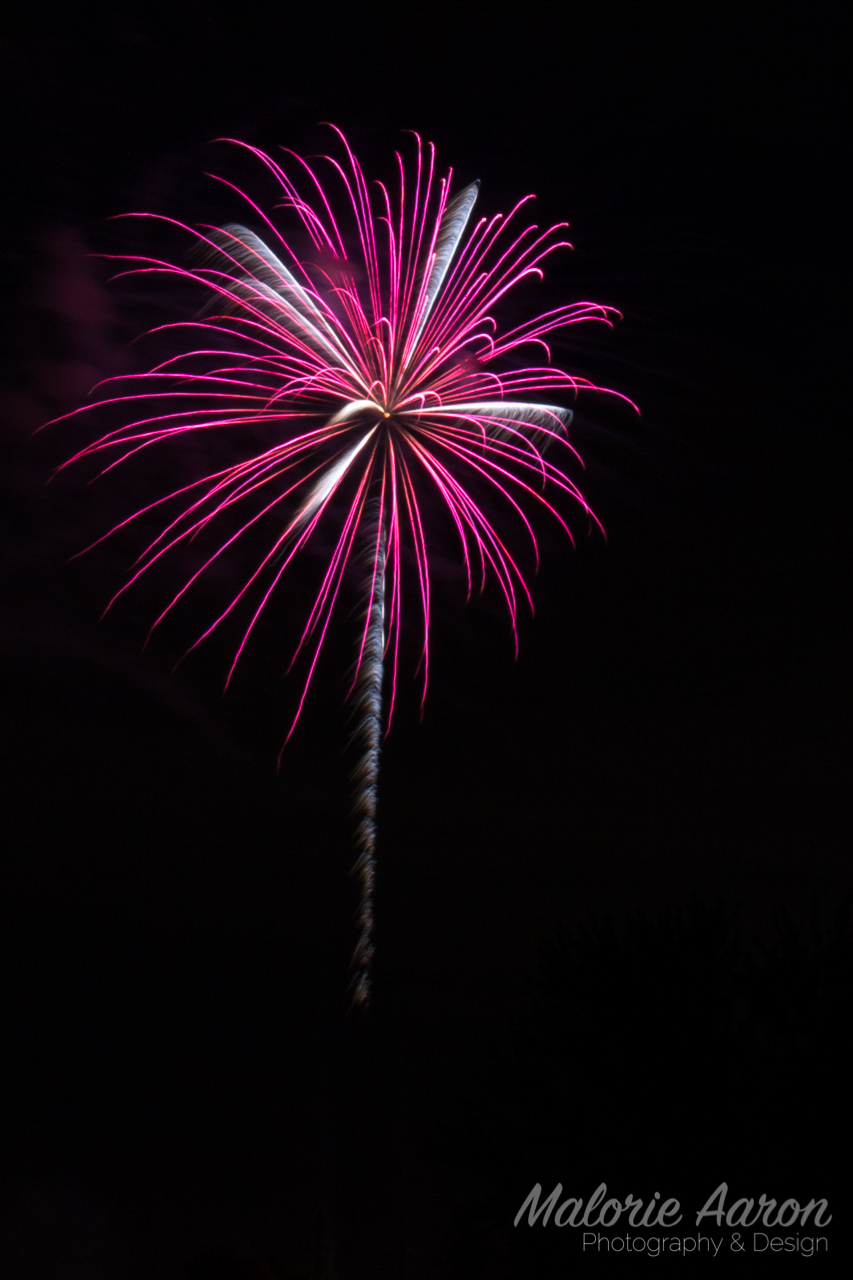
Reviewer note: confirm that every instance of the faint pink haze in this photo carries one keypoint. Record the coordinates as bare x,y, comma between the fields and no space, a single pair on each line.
363,372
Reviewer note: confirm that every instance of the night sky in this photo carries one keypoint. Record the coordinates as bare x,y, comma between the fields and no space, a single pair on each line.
622,855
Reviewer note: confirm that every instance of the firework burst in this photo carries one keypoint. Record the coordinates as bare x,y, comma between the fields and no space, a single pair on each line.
361,364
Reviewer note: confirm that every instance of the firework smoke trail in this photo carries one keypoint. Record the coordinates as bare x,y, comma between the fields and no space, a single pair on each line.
360,369
368,735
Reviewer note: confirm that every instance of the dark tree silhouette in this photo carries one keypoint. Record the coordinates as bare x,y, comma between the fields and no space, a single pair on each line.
656,1055
227,1263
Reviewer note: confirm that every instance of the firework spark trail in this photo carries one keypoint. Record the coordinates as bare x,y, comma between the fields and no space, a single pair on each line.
357,382
368,735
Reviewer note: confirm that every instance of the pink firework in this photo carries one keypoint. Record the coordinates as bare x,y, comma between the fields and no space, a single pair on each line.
362,373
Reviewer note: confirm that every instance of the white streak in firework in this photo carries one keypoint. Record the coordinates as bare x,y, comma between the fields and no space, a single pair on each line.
328,482
365,777
450,230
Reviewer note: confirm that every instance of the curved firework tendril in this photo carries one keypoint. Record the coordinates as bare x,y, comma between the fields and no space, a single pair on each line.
373,376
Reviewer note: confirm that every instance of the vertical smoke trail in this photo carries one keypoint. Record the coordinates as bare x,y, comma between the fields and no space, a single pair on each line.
365,776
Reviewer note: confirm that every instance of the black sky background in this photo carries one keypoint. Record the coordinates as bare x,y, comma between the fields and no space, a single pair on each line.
181,1069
